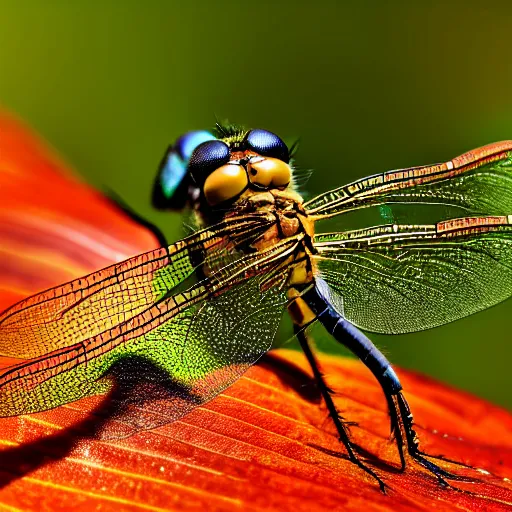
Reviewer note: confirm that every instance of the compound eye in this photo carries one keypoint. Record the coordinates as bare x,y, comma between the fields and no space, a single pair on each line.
171,186
207,157
267,144
225,184
269,172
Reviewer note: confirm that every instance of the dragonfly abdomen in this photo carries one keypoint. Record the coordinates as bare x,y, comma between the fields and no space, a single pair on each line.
350,336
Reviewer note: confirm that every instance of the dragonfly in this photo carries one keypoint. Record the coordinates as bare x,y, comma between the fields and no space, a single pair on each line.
187,319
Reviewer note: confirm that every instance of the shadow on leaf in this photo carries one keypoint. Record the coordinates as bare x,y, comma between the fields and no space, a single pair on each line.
139,390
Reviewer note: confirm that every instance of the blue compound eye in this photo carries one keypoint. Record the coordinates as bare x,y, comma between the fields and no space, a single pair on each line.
170,190
267,144
207,157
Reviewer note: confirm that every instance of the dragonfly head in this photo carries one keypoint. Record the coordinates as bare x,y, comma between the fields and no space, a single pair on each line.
213,173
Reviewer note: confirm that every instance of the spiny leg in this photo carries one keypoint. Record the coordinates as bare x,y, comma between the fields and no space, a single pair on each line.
333,412
402,425
401,418
399,410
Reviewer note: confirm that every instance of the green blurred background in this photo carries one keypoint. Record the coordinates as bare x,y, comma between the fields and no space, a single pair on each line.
368,86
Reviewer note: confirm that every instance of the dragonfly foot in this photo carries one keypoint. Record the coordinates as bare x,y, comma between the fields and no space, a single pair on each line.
353,458
406,437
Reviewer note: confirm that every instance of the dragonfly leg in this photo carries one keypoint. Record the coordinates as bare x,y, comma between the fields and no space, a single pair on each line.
326,392
402,425
400,414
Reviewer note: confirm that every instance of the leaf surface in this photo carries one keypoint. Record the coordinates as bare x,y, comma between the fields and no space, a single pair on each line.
264,444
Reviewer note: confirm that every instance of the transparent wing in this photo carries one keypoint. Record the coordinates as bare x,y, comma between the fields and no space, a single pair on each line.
199,340
478,182
88,306
396,279
189,360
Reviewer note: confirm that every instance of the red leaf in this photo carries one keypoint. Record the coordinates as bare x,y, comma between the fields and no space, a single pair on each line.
264,444
52,227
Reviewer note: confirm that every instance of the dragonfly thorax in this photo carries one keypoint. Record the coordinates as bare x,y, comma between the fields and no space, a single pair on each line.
291,225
